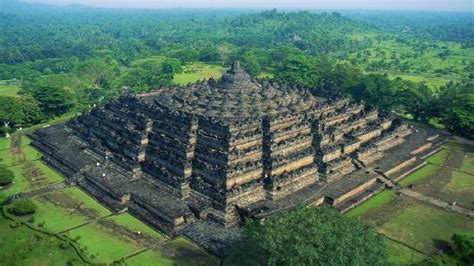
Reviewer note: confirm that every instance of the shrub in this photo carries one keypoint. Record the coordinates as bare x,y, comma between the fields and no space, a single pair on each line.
64,246
6,175
15,224
22,207
463,248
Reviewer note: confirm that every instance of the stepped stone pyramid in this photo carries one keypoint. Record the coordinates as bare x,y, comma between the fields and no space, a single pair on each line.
214,152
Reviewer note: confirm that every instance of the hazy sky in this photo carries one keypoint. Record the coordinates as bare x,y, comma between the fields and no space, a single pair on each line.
447,5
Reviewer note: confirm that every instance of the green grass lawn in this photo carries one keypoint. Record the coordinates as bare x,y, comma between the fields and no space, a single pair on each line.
100,245
156,59
378,201
265,75
121,230
29,174
387,56
23,246
424,227
198,71
22,183
460,189
467,164
438,158
19,183
66,208
8,90
449,176
31,154
431,82
96,239
149,258
416,224
6,157
399,254
133,224
419,175
4,144
52,175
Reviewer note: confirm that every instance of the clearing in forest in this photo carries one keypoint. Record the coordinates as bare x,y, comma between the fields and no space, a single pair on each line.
198,71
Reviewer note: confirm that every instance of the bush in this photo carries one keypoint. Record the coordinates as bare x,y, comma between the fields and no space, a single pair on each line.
6,175
464,248
22,207
64,246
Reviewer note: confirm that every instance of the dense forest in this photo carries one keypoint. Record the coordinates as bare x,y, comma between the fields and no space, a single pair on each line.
66,59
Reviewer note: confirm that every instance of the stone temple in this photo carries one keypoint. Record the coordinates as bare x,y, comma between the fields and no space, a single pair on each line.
198,159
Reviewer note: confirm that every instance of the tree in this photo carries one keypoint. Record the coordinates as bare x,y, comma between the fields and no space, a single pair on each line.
250,64
18,111
151,75
53,100
22,207
6,175
344,76
417,99
309,72
313,236
456,108
376,90
224,50
97,73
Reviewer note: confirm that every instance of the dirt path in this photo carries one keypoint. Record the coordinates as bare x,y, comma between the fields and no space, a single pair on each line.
15,149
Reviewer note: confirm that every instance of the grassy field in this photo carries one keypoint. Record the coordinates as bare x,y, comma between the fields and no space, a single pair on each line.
448,176
100,245
400,254
414,62
22,246
431,81
424,227
23,160
6,157
378,201
149,258
419,176
417,225
198,71
414,224
66,208
7,89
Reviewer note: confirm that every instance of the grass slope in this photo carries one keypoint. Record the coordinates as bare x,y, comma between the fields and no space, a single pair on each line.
101,246
66,208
